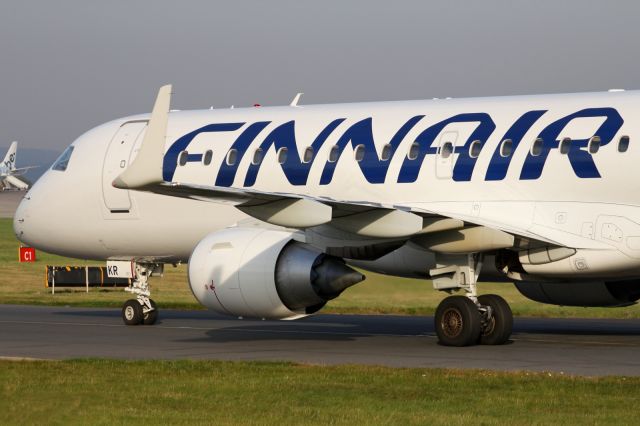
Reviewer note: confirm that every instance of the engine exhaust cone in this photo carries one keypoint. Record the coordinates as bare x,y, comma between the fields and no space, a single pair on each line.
334,276
307,278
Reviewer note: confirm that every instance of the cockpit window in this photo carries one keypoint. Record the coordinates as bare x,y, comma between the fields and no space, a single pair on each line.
63,161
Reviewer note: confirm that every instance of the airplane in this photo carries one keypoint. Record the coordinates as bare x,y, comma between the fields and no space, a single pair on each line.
9,174
273,207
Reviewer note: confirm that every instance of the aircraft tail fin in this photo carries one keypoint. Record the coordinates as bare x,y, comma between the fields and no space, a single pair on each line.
10,158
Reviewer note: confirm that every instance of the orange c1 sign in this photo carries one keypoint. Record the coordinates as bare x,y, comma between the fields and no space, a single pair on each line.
27,254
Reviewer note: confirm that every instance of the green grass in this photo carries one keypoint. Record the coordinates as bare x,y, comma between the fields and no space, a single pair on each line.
23,283
226,393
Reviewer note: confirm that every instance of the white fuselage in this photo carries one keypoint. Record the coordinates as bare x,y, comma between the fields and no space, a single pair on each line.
574,198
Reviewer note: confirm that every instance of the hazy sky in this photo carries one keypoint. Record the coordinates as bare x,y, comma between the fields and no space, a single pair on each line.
66,66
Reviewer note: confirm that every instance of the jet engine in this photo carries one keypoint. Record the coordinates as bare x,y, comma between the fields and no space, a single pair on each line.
616,293
265,273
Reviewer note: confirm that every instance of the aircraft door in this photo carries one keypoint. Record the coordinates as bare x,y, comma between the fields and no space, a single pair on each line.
445,154
115,161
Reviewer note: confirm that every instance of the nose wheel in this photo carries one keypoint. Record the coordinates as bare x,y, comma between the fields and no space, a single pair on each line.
136,313
142,309
132,312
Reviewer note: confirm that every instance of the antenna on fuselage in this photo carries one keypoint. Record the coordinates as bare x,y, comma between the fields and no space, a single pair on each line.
296,99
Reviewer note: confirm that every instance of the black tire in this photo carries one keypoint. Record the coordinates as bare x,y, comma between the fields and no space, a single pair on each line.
498,331
132,312
457,321
151,317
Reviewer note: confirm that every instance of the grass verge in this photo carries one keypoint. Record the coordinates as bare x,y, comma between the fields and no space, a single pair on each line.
221,393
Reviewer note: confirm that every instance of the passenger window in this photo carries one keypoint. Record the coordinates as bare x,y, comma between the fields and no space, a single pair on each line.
446,150
475,148
414,150
359,153
183,157
208,156
308,155
536,147
506,148
62,162
386,153
594,144
232,157
334,154
258,155
282,155
565,145
623,144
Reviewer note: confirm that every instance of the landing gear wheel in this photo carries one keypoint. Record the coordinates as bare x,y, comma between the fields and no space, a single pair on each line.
151,317
497,329
457,321
132,312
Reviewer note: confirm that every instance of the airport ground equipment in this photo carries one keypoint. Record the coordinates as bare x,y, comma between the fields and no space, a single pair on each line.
81,276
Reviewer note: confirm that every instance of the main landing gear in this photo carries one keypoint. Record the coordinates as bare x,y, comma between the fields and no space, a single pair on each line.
470,319
142,309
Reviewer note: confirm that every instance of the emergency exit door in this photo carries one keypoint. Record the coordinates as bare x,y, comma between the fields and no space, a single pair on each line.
116,161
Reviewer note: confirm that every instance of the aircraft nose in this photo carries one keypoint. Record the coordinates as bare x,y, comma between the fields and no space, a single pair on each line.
20,218
32,219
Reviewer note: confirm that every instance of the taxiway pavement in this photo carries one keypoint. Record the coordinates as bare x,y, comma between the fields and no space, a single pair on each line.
591,347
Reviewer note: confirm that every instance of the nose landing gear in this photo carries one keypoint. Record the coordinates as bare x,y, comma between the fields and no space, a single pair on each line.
142,309
470,319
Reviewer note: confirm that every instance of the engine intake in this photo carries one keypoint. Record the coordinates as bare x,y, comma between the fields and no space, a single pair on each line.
265,273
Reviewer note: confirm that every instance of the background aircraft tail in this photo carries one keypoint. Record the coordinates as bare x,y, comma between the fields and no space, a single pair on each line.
10,159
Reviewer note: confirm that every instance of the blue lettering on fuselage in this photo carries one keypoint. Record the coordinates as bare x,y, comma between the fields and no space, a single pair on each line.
228,169
374,168
499,164
581,161
171,157
284,136
464,166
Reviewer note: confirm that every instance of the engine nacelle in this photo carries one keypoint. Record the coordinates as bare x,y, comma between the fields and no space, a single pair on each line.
264,273
616,293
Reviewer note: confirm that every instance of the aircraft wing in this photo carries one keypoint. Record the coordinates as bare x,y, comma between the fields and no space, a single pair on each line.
368,219
19,171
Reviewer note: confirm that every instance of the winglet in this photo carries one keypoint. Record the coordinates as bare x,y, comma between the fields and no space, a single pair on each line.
146,169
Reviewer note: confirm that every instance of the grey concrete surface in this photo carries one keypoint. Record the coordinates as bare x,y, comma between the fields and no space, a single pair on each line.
9,201
571,346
